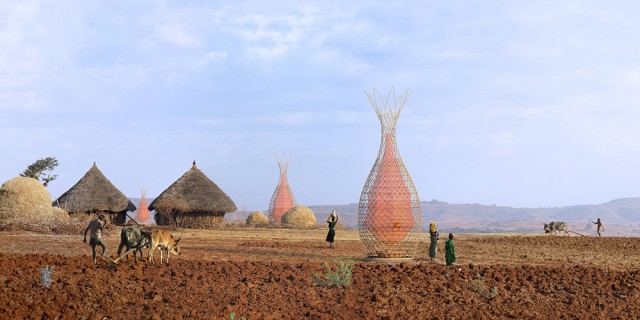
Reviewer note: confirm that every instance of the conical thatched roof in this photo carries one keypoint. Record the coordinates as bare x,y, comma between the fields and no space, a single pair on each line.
193,193
94,192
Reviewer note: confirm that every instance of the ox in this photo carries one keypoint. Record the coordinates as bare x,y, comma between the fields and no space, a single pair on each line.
556,226
136,239
163,240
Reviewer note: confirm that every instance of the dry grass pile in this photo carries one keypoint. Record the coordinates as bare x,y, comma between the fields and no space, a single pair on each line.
25,200
257,218
72,226
299,216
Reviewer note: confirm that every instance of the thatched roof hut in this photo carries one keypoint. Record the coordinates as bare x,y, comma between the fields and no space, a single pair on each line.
26,200
193,201
94,193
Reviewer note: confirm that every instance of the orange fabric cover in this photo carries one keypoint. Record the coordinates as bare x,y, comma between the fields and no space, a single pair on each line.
389,215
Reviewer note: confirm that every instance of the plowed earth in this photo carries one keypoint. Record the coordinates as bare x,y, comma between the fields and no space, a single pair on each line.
267,274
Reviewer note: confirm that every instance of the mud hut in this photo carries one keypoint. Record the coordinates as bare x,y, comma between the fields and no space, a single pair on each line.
94,193
26,200
193,201
299,216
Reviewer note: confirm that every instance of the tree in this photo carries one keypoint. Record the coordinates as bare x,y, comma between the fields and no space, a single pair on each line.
41,170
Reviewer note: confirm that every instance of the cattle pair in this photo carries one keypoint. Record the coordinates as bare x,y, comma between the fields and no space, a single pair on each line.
136,238
556,226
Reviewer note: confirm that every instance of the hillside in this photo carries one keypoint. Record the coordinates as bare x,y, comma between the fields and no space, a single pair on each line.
493,218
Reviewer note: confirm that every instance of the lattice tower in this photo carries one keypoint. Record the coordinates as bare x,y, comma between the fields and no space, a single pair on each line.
283,198
389,213
143,210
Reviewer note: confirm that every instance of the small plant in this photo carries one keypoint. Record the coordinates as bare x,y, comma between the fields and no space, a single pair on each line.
232,316
45,277
340,277
479,286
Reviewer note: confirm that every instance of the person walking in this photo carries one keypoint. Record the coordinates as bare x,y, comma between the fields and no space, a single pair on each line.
332,221
433,247
449,250
95,236
600,227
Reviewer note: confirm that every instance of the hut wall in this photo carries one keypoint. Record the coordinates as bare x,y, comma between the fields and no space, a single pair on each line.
197,220
201,220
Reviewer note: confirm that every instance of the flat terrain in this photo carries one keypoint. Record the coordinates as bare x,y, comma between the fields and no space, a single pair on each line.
267,274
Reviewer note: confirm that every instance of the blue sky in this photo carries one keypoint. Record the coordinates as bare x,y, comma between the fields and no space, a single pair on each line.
519,103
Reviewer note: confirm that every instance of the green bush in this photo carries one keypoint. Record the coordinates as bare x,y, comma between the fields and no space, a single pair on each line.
340,277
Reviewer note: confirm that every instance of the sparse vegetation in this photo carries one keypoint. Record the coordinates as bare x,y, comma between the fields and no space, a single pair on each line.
232,316
340,277
45,276
478,285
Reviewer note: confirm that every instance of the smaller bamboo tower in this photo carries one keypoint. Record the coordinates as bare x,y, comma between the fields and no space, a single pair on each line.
143,212
283,198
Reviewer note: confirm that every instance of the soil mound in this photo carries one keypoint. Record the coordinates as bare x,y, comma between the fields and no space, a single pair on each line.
257,218
26,200
299,216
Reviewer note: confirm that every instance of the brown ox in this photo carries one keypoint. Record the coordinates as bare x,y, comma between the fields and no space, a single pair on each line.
164,241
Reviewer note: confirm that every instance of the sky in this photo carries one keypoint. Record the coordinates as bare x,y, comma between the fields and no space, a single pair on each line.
515,103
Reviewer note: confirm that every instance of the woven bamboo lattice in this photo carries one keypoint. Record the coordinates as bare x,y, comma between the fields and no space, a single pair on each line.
389,213
283,198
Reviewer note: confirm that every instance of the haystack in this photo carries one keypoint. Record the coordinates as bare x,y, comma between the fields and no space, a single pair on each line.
257,218
193,201
299,216
27,200
94,193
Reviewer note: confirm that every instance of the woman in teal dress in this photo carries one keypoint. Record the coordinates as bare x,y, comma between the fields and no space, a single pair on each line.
332,221
449,250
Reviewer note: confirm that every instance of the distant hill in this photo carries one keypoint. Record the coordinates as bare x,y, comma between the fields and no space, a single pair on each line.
493,218
483,218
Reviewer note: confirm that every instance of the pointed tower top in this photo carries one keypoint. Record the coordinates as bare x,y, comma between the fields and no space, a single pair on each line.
283,161
388,113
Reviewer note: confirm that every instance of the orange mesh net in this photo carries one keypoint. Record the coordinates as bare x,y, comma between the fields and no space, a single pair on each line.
283,201
143,211
389,216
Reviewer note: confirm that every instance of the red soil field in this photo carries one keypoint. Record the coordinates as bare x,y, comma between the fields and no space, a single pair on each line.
267,274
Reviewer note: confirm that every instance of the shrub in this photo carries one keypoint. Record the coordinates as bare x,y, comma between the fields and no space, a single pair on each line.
340,277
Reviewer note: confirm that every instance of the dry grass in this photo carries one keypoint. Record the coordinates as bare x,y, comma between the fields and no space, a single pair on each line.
26,200
72,226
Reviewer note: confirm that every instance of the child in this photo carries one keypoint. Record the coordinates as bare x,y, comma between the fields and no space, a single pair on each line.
449,250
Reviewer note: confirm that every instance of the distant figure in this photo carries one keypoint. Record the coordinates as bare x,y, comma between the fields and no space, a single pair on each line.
433,247
600,226
449,250
332,221
95,237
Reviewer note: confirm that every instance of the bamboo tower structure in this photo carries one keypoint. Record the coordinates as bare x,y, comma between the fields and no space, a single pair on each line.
283,198
389,213
143,212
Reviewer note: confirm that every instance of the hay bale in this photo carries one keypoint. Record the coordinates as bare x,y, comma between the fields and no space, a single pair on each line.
299,216
27,200
257,218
